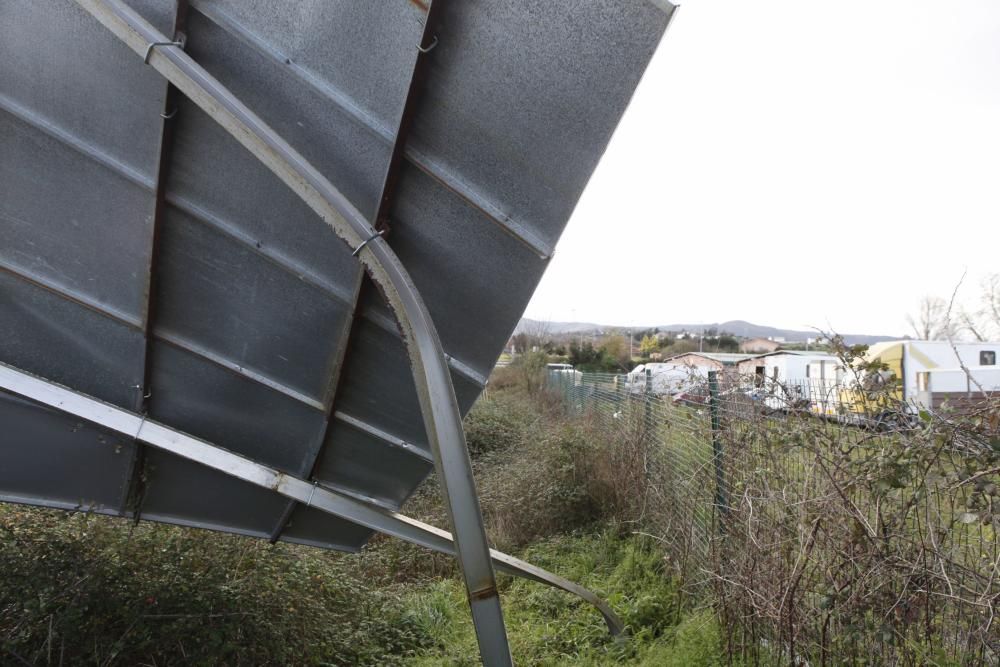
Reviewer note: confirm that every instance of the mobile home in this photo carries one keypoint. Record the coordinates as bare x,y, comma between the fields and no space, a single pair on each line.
956,387
826,379
785,378
912,360
785,366
931,372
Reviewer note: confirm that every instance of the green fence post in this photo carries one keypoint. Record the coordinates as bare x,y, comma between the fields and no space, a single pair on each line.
647,397
721,502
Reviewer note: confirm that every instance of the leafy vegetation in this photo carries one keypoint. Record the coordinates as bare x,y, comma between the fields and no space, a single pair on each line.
87,589
611,356
866,520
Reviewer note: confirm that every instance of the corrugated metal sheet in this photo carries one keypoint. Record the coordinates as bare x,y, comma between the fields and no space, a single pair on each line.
253,296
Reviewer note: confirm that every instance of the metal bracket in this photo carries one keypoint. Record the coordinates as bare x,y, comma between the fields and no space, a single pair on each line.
430,48
152,45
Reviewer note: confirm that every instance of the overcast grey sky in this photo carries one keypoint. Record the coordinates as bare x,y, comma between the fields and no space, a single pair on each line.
794,163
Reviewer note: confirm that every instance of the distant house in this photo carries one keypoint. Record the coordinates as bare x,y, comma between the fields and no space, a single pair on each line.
759,345
708,361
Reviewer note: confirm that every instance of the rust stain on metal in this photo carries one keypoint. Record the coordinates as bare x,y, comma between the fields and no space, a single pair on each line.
419,3
483,593
278,479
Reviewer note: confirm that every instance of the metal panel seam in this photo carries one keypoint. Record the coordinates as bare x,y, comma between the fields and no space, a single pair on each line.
134,489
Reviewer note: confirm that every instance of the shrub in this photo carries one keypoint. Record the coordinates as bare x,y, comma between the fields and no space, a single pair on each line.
79,589
535,489
494,425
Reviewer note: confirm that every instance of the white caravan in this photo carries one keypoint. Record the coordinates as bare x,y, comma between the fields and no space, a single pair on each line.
664,378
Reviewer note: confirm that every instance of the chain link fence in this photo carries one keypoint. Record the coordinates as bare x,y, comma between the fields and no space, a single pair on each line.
831,524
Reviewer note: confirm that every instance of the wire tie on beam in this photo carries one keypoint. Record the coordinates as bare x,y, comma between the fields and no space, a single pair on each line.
152,45
168,116
430,48
366,242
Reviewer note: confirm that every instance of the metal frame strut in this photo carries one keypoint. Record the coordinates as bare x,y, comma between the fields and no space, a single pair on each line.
429,365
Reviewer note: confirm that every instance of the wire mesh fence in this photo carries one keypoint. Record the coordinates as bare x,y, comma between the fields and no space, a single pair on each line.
833,523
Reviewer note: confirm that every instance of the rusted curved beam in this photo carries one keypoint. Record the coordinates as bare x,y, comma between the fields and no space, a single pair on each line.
442,418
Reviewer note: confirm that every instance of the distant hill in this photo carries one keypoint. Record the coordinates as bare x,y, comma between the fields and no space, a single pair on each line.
740,328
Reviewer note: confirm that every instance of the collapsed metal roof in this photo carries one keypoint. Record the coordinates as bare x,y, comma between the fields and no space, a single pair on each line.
149,260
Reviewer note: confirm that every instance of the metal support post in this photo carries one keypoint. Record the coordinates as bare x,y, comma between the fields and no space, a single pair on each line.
647,416
721,499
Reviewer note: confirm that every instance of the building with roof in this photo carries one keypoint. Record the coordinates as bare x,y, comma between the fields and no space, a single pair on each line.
709,360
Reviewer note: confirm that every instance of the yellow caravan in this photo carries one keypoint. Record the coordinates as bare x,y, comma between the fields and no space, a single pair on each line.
884,391
911,366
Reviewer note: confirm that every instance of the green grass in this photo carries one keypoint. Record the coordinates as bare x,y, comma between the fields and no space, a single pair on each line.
550,627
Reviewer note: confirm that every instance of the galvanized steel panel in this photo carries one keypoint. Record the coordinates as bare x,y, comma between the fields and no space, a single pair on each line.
253,293
357,462
189,494
50,335
523,97
214,180
219,294
57,460
62,65
228,409
373,389
316,528
359,53
60,224
486,270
